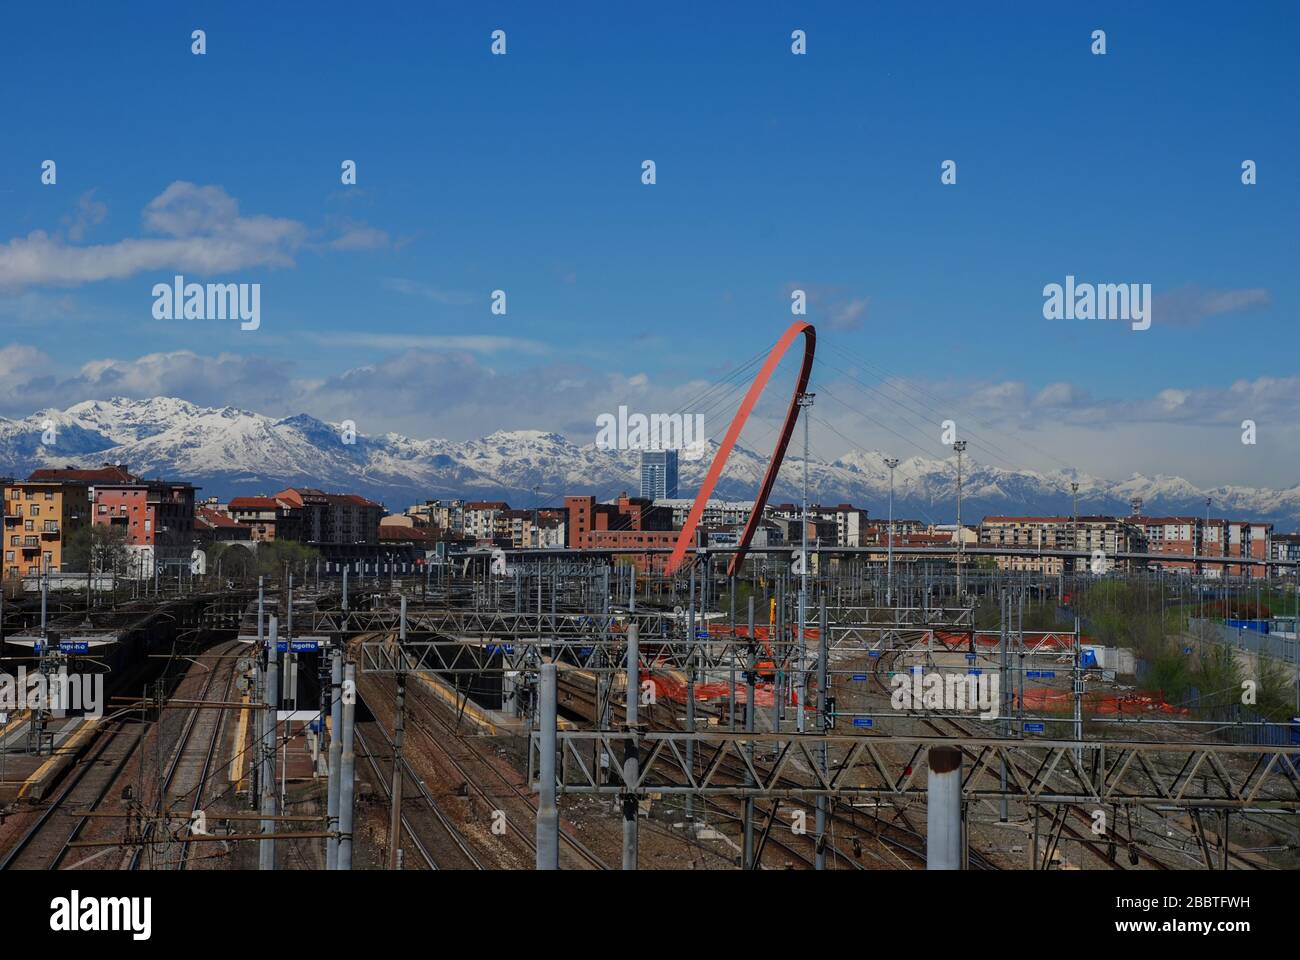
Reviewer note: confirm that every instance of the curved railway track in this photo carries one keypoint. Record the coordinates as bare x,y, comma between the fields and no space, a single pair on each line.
44,844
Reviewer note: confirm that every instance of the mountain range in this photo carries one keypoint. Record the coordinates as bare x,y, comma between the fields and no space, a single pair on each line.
230,452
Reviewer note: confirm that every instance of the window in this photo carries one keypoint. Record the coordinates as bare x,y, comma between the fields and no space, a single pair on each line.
36,509
27,525
49,494
103,508
9,556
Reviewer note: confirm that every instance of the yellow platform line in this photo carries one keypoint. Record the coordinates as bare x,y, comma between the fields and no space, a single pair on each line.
452,700
19,718
87,725
237,755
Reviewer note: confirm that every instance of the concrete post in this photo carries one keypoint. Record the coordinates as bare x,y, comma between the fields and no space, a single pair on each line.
747,854
395,814
347,767
631,759
266,848
336,757
690,698
548,814
943,810
823,652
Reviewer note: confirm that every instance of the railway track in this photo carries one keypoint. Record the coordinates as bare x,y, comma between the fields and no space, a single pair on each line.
450,849
202,729
902,838
44,845
1103,848
475,769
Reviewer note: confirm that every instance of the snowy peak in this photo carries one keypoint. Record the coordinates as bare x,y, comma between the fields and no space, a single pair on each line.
229,451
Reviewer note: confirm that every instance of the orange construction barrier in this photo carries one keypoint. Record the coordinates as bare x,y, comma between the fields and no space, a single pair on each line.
1056,700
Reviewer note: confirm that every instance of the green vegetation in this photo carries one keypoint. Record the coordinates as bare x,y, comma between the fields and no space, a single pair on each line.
272,557
102,546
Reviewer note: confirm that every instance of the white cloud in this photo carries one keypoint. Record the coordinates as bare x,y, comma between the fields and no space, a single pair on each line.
202,230
1189,305
397,341
414,288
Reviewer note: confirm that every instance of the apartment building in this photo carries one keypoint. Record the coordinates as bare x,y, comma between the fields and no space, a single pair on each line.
717,513
1237,538
1286,546
1088,534
40,516
446,515
621,527
843,525
333,518
486,520
1177,536
156,517
267,518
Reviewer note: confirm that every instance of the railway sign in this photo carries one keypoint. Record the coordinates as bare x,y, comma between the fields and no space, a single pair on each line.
74,646
1034,727
862,721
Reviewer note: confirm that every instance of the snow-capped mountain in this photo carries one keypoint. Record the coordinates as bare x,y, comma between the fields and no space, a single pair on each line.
229,452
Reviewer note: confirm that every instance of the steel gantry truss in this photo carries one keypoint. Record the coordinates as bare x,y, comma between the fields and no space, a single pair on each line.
1104,773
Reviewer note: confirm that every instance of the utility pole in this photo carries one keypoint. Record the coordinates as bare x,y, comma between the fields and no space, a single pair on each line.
823,652
347,767
891,463
805,402
548,814
960,447
747,852
1074,525
399,730
335,758
266,848
631,759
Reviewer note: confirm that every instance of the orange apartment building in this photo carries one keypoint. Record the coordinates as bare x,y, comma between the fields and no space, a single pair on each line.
156,517
40,516
623,526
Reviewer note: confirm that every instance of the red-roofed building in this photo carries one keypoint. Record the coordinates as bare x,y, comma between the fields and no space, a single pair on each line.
213,526
267,518
156,516
334,518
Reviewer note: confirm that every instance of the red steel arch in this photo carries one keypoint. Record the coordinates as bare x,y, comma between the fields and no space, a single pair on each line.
687,536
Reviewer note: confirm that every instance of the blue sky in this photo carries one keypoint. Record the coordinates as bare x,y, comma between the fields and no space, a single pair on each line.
774,171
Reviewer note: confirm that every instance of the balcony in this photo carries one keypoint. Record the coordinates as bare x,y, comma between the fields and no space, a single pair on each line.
31,543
